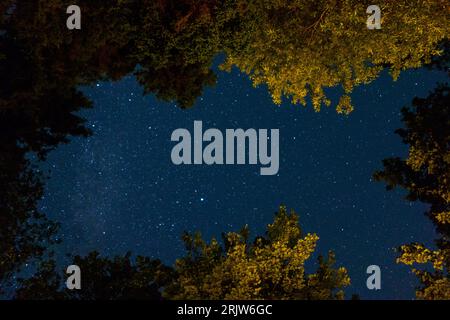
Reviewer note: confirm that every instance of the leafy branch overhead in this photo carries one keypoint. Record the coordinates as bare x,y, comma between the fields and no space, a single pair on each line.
300,48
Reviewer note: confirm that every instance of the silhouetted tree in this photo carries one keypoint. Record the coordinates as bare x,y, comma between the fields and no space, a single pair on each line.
102,278
425,175
42,66
36,115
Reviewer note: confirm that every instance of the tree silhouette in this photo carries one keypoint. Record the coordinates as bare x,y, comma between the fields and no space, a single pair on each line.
115,278
36,115
425,174
42,66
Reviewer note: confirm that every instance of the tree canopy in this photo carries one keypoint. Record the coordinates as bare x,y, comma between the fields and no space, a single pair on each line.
297,48
300,48
116,278
271,267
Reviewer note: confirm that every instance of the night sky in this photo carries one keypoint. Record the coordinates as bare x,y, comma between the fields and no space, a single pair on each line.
118,190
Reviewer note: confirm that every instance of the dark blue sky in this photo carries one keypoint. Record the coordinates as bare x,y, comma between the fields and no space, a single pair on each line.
118,190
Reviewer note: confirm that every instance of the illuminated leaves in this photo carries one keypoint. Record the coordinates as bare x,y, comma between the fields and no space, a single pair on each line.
300,48
270,267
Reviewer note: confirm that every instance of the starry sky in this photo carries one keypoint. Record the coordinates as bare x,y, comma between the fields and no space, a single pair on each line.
118,190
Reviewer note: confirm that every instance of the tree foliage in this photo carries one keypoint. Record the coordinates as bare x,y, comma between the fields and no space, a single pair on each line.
270,267
43,65
425,174
115,278
299,48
